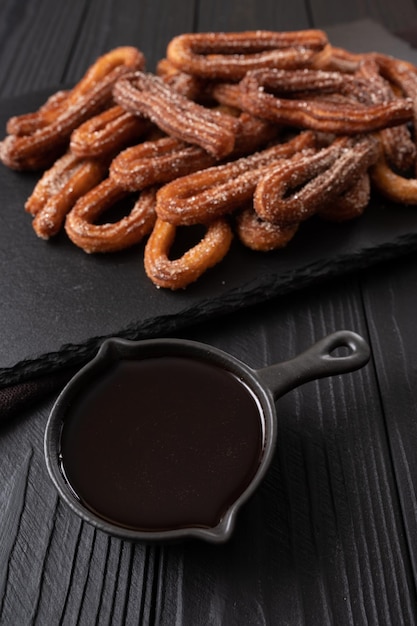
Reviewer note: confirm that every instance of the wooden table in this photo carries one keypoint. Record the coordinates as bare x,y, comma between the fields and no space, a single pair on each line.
331,535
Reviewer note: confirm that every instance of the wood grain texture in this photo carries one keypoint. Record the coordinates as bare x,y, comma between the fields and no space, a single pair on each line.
321,542
330,537
37,44
395,16
235,15
147,25
391,328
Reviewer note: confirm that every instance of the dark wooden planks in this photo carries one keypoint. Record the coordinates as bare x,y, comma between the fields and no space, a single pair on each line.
37,42
235,15
328,516
330,537
148,25
395,16
390,301
45,44
322,541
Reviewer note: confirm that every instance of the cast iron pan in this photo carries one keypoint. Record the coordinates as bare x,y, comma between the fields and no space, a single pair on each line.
166,439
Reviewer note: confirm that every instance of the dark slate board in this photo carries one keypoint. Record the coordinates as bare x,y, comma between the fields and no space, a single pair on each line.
57,303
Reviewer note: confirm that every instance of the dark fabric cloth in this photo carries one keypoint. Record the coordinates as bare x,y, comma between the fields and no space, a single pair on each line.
16,398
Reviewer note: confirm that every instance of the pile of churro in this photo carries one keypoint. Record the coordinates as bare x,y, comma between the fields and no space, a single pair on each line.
247,134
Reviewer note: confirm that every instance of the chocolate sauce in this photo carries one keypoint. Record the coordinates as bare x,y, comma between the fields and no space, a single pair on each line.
162,443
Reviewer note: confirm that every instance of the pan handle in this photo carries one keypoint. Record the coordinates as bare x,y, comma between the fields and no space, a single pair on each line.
318,361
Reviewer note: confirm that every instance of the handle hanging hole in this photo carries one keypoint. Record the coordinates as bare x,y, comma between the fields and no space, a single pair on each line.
341,351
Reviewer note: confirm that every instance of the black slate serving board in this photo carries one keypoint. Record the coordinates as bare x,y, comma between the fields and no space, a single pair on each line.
58,303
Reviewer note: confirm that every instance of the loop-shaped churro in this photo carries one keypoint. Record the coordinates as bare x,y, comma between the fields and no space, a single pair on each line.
398,145
148,95
350,204
392,185
58,189
400,73
296,188
192,87
228,56
305,81
338,59
163,159
180,272
27,123
258,234
318,113
80,223
216,191
228,94
157,162
107,133
403,75
89,96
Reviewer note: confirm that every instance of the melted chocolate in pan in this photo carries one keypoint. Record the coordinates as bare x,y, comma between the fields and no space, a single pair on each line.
162,443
